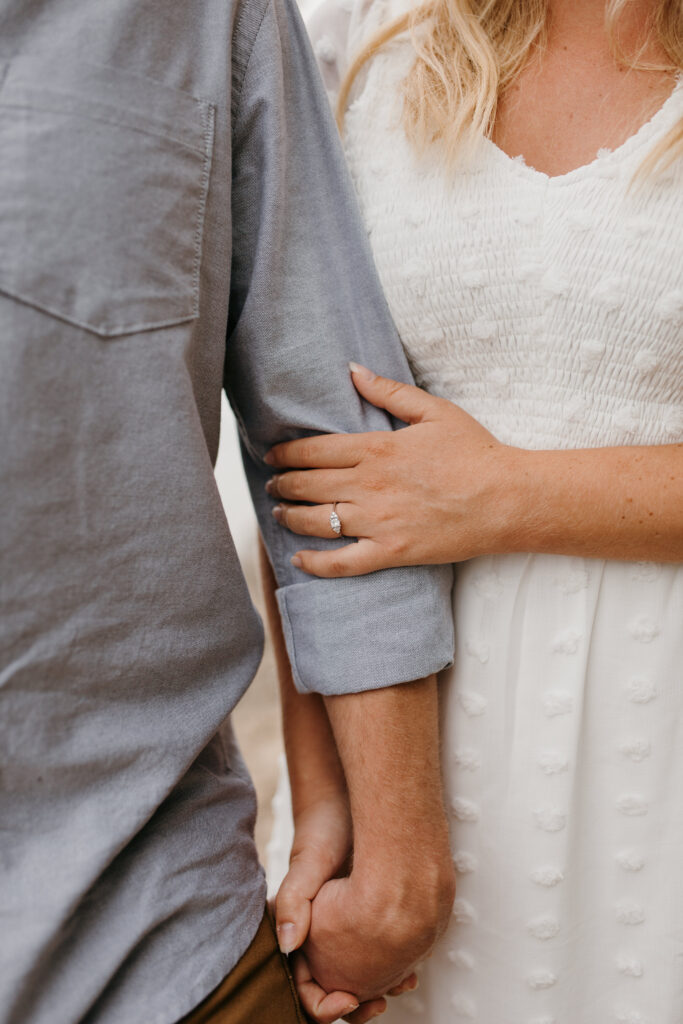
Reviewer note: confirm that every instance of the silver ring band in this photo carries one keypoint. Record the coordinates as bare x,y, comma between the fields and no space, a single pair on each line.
335,521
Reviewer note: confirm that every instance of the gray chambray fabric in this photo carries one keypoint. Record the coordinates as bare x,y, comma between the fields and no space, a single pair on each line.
174,217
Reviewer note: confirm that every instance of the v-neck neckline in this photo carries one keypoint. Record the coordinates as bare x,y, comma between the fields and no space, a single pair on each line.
632,142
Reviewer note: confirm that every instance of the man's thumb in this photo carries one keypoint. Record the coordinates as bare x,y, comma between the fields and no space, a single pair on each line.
403,401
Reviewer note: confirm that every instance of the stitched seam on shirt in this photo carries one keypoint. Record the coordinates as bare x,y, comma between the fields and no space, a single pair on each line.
235,105
208,126
237,92
102,330
118,122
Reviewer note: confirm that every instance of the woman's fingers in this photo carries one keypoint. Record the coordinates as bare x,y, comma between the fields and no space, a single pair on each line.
366,1011
352,560
316,485
404,401
314,520
326,451
344,451
293,901
323,1007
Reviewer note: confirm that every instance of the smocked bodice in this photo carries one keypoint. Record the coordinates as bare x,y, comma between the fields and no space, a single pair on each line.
550,308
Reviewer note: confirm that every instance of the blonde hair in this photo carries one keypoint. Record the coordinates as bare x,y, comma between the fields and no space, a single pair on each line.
467,52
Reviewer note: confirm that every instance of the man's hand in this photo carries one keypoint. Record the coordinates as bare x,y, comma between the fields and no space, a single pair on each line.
369,930
370,758
321,849
368,933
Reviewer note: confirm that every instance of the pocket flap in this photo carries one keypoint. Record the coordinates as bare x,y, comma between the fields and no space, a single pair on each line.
103,182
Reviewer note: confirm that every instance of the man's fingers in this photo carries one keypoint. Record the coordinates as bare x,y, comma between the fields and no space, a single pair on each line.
326,451
404,401
408,984
352,560
323,1007
314,520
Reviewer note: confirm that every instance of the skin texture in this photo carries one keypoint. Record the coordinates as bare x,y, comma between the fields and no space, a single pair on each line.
445,489
475,496
371,881
574,99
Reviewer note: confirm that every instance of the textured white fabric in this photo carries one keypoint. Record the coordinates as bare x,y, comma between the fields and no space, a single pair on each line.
551,309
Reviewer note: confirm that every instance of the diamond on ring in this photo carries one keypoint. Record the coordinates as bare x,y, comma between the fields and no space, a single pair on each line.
335,521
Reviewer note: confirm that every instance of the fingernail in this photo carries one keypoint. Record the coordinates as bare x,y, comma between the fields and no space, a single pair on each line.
277,513
296,561
270,486
269,459
349,1009
362,371
286,937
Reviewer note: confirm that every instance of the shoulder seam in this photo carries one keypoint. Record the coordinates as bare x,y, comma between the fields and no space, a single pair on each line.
241,56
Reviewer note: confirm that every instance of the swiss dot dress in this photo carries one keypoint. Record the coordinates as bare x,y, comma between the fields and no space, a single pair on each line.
551,309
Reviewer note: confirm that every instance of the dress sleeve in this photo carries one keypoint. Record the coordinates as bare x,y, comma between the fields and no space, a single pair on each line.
339,29
304,300
328,27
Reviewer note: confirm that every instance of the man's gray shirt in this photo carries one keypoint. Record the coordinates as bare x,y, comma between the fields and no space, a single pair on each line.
174,216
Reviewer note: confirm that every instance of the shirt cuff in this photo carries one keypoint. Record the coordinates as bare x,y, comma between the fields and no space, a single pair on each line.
367,632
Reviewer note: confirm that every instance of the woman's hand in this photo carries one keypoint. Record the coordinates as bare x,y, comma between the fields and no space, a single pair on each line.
438,491
444,489
321,850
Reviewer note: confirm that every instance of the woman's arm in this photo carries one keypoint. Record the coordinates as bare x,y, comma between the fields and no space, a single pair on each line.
320,805
315,772
322,820
444,490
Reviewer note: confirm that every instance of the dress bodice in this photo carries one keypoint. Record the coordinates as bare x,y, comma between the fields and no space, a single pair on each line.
550,308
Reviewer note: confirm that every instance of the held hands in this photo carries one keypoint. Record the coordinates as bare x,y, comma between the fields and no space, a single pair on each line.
321,850
439,491
359,937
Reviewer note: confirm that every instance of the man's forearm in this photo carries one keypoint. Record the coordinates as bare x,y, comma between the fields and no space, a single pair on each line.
388,743
371,928
383,744
380,751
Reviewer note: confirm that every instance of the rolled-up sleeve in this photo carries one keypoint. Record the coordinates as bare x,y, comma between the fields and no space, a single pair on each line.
304,300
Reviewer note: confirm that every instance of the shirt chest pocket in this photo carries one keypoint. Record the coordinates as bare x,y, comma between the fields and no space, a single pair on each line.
103,183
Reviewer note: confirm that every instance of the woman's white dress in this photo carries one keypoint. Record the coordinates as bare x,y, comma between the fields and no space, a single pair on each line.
551,309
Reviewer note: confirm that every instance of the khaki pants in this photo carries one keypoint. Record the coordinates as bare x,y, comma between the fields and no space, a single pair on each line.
259,990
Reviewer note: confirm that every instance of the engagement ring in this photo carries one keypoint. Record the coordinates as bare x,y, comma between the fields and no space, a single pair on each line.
335,521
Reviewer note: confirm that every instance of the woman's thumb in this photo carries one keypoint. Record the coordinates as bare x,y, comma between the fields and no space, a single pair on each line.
293,904
404,401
